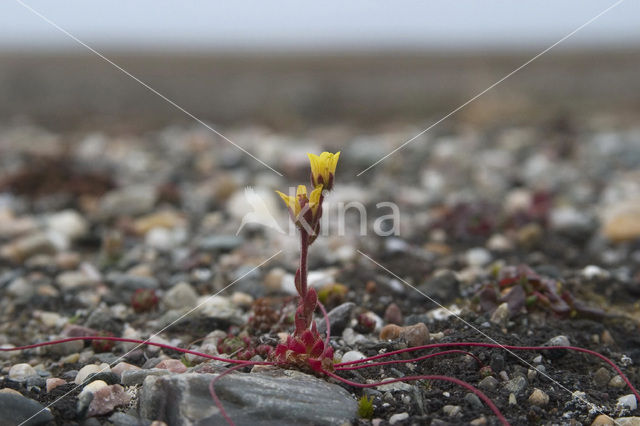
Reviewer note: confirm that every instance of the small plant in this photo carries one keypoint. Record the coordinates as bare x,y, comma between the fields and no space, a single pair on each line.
524,290
365,407
332,295
103,345
144,300
306,348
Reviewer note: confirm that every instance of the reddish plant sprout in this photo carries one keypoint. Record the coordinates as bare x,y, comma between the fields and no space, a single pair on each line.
236,345
103,345
536,212
366,323
523,289
144,300
467,221
264,317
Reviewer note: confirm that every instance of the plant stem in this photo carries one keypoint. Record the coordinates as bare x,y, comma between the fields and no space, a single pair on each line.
304,250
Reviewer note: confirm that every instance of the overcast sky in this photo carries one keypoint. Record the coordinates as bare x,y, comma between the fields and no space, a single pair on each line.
283,24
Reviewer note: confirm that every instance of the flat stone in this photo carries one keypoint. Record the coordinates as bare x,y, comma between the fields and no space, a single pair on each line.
275,398
15,409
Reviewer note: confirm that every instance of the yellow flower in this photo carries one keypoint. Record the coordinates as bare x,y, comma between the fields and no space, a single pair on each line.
301,204
323,169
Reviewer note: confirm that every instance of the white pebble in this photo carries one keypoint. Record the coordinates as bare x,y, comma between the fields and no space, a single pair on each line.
90,369
20,372
352,356
478,256
94,386
398,418
628,401
592,271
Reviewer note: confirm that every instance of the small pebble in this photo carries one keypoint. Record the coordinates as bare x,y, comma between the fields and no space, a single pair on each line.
539,398
393,314
182,295
628,401
94,386
89,369
516,385
452,410
489,383
601,377
501,315
398,418
122,366
173,365
478,256
352,356
603,420
20,372
53,383
617,382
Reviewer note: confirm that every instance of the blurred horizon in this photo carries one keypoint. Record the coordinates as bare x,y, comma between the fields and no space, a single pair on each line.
286,25
292,66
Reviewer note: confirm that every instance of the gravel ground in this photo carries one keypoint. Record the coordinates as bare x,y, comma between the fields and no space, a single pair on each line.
529,235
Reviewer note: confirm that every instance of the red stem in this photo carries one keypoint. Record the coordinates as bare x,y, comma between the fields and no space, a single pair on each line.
401,361
215,396
327,324
507,347
458,382
304,250
142,342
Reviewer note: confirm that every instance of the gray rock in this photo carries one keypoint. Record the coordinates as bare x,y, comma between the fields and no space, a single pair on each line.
182,295
338,318
474,401
516,385
274,398
122,419
489,383
15,409
136,377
